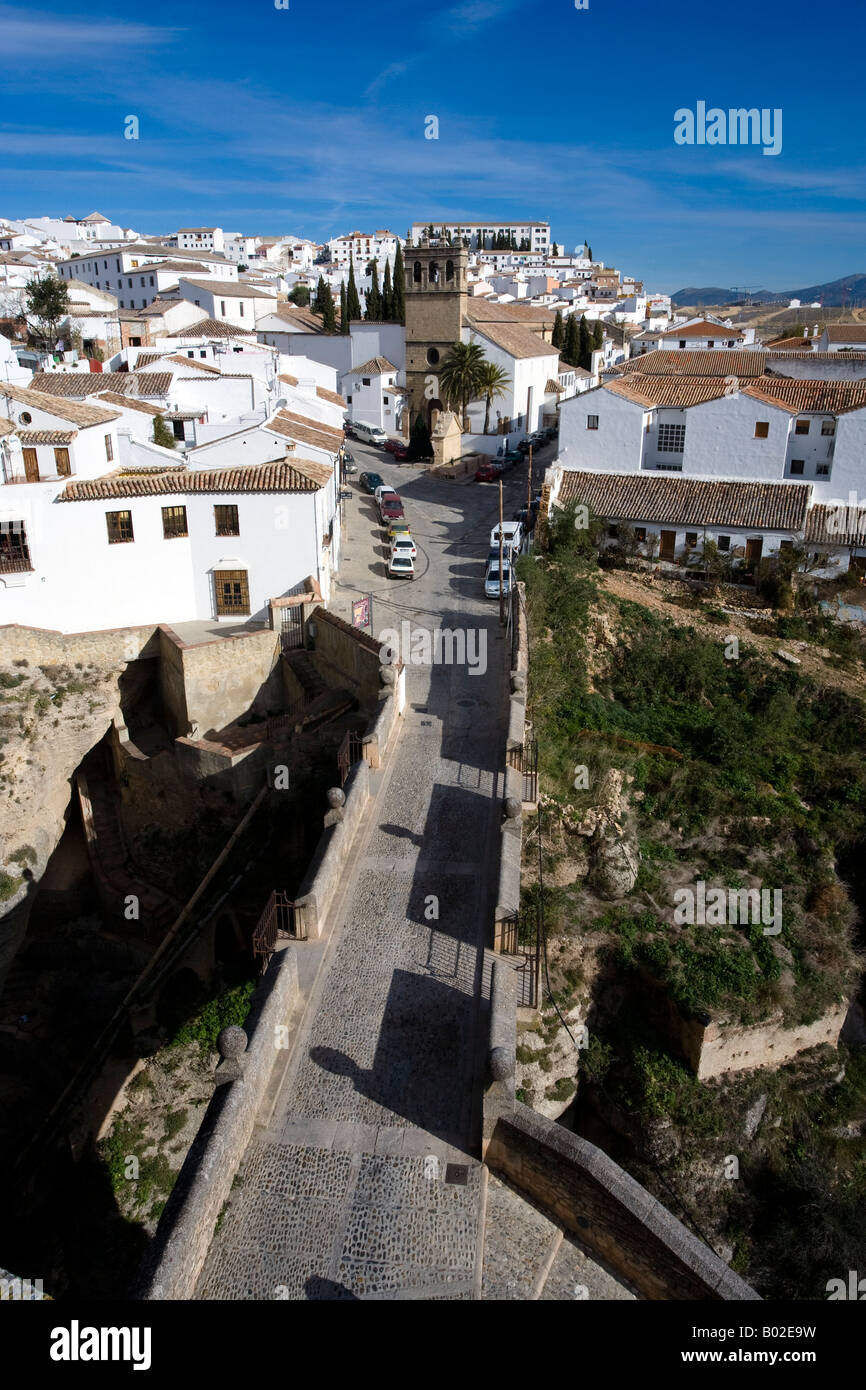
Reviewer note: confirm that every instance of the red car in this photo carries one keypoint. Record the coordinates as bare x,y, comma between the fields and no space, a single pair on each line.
390,507
487,473
401,453
391,446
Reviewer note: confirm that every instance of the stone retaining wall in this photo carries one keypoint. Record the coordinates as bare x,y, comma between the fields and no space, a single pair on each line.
203,1186
325,873
714,1048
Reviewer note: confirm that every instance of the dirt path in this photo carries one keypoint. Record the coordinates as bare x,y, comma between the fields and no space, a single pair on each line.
816,662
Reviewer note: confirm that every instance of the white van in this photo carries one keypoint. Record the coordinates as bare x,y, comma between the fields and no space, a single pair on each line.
370,434
512,537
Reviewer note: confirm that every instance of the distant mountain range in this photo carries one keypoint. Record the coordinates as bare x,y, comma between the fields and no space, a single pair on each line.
853,287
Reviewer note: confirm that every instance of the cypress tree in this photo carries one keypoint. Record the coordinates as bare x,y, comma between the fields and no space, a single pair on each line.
344,322
597,335
319,301
589,257
584,350
329,317
374,297
398,301
353,303
387,295
569,352
420,443
558,335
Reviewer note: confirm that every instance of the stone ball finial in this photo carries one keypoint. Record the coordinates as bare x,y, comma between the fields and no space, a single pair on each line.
387,675
512,808
232,1042
501,1063
336,797
518,681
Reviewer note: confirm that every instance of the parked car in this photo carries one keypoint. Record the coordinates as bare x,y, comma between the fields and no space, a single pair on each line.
400,454
390,507
392,446
370,481
350,467
521,515
512,456
382,488
403,544
401,566
491,582
486,474
551,433
399,527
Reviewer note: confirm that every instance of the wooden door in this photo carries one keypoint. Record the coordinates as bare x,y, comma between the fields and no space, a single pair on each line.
667,545
753,552
61,458
31,466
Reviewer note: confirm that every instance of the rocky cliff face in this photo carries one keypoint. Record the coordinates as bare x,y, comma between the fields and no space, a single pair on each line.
50,718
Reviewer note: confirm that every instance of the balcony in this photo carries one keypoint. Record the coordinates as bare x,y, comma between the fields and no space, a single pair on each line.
15,562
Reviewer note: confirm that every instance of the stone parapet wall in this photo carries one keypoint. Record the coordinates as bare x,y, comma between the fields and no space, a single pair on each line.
203,1186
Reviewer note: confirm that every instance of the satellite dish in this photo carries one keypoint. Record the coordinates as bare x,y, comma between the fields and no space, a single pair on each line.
281,403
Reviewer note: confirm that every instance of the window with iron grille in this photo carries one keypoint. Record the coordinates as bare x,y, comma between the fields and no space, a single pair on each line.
828,427
672,439
232,593
226,520
691,537
14,551
640,534
174,522
119,527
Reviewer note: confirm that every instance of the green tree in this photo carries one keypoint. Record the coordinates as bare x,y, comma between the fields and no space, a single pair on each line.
300,295
399,304
387,295
47,300
558,336
162,435
554,250
597,335
420,443
374,297
459,375
353,302
329,315
584,341
319,299
493,382
589,257
344,322
570,350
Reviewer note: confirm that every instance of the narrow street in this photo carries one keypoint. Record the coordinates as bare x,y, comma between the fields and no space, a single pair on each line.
366,1182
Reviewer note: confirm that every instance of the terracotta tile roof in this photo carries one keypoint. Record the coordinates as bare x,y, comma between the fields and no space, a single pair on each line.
712,362
174,266
515,339
823,397
846,332
814,355
75,411
228,289
482,311
47,436
304,430
128,402
324,394
147,359
673,392
82,384
642,497
303,319
289,380
191,362
842,525
552,386
214,328
798,342
375,366
702,329
299,475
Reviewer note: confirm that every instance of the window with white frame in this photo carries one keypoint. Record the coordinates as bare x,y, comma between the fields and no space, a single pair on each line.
672,439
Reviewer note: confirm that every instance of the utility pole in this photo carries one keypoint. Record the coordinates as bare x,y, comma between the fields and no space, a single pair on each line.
501,594
528,486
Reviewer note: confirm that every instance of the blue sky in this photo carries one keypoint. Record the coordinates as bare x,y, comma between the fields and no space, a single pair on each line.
310,120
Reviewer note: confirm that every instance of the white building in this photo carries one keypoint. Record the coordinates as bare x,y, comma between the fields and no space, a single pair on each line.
535,236
201,239
236,303
133,273
372,394
357,248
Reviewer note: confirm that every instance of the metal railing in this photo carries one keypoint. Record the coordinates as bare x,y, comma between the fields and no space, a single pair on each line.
350,752
281,920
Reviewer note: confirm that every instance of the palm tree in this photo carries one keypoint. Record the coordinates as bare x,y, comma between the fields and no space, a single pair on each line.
493,381
458,377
